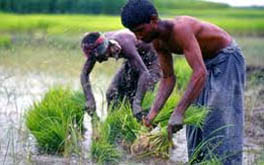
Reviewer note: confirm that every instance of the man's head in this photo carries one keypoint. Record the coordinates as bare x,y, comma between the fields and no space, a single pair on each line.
96,45
141,17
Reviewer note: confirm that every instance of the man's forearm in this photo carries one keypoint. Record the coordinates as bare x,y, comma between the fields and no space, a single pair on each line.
142,86
86,87
85,80
194,88
165,89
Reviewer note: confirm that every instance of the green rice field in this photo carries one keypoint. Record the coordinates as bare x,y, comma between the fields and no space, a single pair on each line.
40,50
236,21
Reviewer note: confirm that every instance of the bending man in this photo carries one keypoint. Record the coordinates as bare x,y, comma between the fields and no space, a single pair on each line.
139,72
217,80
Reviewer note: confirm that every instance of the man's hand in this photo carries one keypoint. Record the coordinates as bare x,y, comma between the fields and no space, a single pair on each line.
173,129
90,107
138,112
146,122
140,115
136,107
175,124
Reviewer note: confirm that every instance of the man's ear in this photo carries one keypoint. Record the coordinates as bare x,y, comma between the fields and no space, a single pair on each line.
115,48
154,19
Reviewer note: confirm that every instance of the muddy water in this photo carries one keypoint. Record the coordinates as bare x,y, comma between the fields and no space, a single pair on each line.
19,90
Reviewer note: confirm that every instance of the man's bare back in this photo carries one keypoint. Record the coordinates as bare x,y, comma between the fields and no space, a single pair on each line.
209,37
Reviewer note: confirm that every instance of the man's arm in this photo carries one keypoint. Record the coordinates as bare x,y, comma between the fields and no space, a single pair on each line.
165,87
193,55
144,80
90,105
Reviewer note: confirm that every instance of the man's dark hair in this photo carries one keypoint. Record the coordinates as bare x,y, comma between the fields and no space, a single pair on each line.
137,12
90,38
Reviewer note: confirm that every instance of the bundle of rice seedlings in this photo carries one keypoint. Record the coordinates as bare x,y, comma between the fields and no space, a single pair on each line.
195,115
148,99
119,128
164,115
153,143
157,143
182,71
56,121
120,124
103,151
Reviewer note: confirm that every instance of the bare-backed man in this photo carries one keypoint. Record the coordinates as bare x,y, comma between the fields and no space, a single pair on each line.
217,80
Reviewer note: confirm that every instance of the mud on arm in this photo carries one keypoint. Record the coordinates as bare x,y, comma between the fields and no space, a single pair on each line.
144,78
90,105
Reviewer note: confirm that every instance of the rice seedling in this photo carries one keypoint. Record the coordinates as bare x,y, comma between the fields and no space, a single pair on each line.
56,121
157,143
237,21
102,150
120,127
153,143
5,41
208,146
260,159
182,71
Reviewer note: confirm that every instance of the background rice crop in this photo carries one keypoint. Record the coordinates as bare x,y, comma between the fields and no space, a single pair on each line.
236,21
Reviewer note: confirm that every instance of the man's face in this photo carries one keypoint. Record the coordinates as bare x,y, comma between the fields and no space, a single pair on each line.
99,52
145,32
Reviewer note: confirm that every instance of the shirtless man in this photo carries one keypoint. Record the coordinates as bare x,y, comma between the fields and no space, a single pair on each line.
139,72
217,80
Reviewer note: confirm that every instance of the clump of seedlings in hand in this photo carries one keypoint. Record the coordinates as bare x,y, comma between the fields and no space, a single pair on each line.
121,127
156,143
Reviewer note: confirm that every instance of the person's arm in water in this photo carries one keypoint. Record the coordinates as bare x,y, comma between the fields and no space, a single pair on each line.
90,105
130,50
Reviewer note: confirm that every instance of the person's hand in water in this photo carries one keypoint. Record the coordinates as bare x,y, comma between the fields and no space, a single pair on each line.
90,107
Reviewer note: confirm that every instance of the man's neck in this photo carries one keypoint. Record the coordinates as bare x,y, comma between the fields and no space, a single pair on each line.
164,29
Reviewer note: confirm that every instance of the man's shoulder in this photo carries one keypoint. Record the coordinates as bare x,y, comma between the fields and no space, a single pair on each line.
185,25
185,18
123,34
181,22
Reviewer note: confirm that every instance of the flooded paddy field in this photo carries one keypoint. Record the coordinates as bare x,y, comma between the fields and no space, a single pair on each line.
34,63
